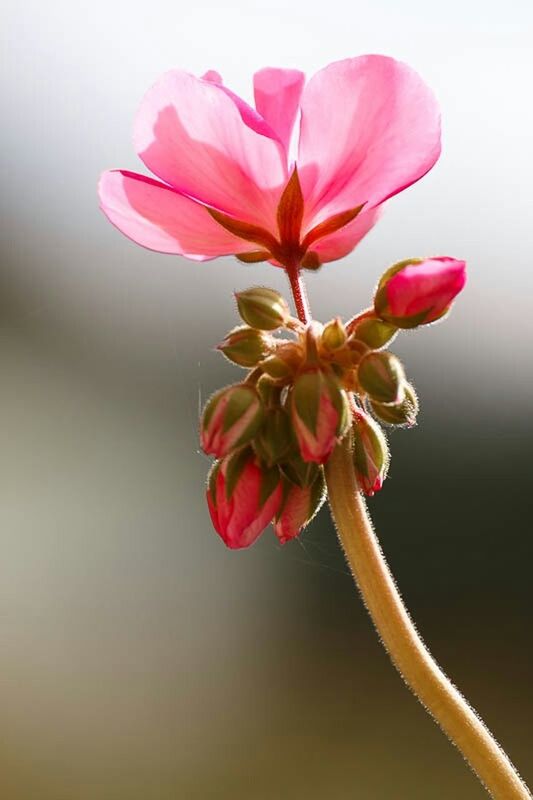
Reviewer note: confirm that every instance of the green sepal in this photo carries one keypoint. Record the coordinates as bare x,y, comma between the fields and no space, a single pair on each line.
305,397
211,405
241,398
270,478
301,473
378,443
339,398
212,480
275,438
235,466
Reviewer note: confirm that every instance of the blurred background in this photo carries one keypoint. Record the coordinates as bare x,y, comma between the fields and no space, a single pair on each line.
138,657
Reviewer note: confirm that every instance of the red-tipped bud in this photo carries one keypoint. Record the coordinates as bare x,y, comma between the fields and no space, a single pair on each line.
231,419
320,414
418,291
246,346
263,308
381,376
370,453
243,498
298,508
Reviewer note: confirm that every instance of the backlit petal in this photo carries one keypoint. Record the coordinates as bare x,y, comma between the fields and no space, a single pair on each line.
159,218
191,134
277,95
370,128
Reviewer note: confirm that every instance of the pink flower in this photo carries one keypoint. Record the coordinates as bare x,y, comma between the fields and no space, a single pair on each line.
242,498
369,129
418,292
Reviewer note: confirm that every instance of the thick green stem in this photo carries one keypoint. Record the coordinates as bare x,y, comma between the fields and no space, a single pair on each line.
405,647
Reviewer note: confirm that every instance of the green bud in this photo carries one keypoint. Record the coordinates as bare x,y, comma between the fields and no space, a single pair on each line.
374,332
403,413
246,346
370,453
263,308
275,438
381,376
334,335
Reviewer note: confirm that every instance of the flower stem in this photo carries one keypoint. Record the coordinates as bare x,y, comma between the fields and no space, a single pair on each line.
399,636
299,293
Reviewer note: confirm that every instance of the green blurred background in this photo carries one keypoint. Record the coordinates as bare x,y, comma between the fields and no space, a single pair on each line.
138,657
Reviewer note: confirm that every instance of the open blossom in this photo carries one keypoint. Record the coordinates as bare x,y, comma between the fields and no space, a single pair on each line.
419,291
227,182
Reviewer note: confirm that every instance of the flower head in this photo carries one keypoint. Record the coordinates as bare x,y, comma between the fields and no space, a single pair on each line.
227,184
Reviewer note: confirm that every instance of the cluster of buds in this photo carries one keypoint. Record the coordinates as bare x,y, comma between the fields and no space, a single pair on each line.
308,386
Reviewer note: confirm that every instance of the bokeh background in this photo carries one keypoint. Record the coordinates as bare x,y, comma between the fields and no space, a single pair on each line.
138,657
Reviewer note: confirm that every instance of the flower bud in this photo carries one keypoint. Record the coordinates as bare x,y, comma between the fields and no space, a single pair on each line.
275,438
319,412
275,367
231,419
419,291
381,376
243,498
370,453
333,335
299,472
298,507
246,346
403,413
374,332
263,308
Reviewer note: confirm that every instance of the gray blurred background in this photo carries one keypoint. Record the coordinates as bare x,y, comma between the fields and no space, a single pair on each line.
138,657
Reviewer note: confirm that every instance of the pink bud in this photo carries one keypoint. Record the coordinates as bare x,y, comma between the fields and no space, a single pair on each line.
418,292
231,419
319,413
243,498
298,508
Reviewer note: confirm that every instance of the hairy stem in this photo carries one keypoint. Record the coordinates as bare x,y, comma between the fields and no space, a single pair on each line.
405,647
299,293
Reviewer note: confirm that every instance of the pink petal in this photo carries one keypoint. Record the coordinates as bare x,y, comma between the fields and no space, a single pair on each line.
159,218
248,114
370,128
339,244
277,95
191,134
